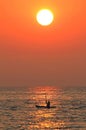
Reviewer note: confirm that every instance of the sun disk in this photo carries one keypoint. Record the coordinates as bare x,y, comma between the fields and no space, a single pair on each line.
45,17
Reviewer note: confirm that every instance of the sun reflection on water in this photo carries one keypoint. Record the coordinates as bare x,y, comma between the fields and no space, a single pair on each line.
46,118
51,125
45,93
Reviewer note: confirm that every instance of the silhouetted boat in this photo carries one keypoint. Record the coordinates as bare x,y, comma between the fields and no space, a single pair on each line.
37,106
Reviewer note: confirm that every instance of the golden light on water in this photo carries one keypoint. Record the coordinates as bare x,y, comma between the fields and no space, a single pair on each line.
46,120
44,93
45,117
51,125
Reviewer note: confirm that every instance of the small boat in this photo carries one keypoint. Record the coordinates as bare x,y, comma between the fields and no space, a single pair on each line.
37,106
48,106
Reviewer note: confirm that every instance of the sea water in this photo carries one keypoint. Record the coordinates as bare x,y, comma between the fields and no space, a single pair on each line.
18,110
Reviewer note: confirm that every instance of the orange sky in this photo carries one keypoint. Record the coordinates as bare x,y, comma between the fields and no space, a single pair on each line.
31,54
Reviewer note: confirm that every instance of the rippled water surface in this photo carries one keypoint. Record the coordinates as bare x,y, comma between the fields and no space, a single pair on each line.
18,111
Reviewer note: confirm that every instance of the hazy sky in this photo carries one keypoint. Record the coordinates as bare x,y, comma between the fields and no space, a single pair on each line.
31,54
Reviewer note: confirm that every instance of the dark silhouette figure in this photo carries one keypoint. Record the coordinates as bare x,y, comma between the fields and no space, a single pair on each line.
48,104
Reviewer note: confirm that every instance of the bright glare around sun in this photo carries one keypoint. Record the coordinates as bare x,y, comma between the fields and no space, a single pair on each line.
44,17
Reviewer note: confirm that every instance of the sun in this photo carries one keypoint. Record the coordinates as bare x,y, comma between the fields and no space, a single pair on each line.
44,17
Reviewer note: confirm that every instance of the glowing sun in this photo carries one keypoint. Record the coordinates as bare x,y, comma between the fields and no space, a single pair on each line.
45,17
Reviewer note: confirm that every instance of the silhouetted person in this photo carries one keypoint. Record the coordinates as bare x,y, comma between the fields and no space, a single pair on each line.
48,104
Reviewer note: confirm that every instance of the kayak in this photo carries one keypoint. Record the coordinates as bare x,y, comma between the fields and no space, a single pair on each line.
37,106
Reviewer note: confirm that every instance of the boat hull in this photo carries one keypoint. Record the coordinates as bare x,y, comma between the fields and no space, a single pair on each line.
37,106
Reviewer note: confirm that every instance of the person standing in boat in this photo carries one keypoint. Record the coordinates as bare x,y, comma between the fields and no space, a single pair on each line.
48,104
